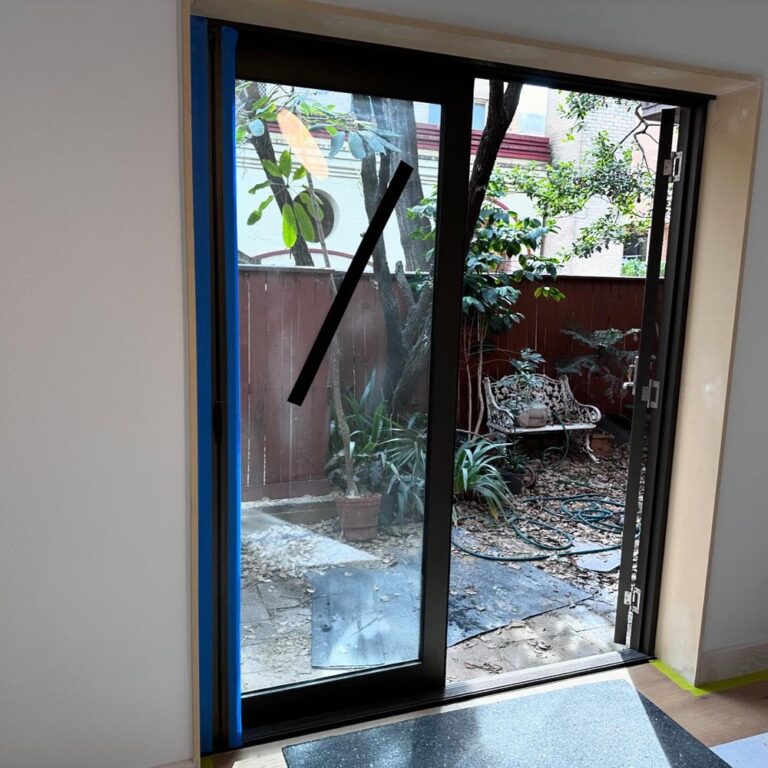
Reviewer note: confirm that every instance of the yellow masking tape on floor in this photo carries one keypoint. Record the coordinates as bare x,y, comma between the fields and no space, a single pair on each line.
706,689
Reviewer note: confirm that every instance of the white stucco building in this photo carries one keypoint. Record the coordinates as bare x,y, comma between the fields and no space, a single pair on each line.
537,134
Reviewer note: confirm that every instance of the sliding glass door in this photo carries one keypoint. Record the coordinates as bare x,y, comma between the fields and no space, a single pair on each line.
332,229
350,229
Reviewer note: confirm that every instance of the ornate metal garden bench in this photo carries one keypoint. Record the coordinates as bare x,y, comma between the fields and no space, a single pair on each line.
507,398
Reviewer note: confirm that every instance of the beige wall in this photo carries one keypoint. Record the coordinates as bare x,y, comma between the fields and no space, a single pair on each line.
703,403
94,588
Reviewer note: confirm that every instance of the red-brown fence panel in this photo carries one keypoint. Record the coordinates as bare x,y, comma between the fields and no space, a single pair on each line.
285,448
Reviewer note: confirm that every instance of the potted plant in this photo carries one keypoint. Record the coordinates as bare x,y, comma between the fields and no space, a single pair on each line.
359,467
514,467
601,443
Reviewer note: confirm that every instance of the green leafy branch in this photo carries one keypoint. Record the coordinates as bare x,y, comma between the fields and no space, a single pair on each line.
607,172
303,214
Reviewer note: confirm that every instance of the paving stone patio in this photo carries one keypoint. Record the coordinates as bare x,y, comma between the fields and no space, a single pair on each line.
277,646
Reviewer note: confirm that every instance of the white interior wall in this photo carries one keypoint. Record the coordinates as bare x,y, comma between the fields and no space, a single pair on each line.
94,575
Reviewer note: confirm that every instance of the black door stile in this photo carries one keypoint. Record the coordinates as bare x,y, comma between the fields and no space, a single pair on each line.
644,383
669,365
268,59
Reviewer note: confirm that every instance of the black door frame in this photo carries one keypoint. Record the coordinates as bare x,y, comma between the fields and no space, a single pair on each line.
669,367
316,61
642,413
269,58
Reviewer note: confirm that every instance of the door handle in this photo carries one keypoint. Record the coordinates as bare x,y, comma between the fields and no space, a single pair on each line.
631,383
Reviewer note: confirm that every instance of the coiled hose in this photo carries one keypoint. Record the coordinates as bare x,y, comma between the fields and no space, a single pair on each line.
590,509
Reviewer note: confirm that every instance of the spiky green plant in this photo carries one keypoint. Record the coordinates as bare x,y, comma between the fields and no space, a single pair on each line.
477,477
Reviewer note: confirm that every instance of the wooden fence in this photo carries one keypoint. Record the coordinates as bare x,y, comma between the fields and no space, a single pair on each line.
284,448
591,303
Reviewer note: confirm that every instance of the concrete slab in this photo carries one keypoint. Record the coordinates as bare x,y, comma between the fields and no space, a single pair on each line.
252,608
291,546
278,595
600,562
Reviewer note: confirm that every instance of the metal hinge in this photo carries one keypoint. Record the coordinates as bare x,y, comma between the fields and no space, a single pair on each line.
673,166
632,598
650,393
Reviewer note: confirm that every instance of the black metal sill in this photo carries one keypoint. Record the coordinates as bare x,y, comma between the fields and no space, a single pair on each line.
452,693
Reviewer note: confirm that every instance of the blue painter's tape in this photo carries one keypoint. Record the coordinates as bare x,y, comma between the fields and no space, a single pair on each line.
232,314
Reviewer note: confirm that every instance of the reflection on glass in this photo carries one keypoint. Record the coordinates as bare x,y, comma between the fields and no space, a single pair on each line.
333,492
550,328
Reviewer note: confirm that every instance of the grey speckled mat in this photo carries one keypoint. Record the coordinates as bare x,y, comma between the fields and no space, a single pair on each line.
600,725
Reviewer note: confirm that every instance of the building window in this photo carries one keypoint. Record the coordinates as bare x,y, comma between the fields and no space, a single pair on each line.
478,116
433,114
532,123
635,247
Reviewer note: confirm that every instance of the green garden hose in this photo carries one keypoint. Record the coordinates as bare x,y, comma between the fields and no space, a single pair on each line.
597,514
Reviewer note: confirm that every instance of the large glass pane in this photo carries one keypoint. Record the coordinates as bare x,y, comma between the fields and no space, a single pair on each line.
333,491
553,308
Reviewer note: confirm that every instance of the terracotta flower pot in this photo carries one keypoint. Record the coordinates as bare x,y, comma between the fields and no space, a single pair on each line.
513,480
359,516
601,444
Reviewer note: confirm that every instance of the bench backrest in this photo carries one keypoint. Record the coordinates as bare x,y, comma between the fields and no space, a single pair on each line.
516,392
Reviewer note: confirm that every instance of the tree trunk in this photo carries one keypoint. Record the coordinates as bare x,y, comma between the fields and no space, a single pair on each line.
374,184
336,397
397,116
417,341
502,105
408,339
482,332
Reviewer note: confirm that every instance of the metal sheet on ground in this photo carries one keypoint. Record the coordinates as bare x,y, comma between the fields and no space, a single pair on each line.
367,617
486,595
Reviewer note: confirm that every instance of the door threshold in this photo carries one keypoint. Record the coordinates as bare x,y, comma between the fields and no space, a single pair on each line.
523,678
452,693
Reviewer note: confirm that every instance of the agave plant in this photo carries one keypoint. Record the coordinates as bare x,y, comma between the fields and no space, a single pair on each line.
370,426
477,477
407,453
388,454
